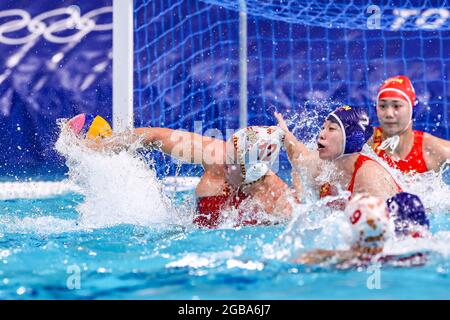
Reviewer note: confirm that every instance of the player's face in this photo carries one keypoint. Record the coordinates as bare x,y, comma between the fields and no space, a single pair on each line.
394,115
330,141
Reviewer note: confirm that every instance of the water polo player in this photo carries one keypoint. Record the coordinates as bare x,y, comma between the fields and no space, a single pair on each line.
370,229
237,173
395,141
340,141
408,214
373,222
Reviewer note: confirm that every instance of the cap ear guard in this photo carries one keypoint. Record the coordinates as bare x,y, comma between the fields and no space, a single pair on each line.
257,148
356,128
255,171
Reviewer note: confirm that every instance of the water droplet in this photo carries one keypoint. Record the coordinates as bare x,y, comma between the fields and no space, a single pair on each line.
21,291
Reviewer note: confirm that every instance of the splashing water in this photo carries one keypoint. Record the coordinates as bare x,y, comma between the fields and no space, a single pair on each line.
119,188
307,120
41,238
431,186
133,195
314,225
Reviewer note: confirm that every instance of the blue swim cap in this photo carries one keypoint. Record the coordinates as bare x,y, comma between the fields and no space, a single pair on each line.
355,125
408,212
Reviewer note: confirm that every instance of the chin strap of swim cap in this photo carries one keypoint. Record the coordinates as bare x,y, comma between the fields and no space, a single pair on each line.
255,172
390,143
393,142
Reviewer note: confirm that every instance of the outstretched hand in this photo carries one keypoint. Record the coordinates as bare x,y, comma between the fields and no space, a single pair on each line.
116,143
281,122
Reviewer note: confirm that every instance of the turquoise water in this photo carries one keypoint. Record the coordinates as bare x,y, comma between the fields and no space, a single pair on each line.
46,254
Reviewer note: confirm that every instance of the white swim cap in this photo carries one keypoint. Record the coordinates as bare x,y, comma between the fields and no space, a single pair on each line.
257,150
371,226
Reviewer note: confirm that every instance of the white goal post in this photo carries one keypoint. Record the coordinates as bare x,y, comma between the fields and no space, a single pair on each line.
123,53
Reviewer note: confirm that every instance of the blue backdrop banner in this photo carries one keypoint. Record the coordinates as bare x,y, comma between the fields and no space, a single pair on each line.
55,61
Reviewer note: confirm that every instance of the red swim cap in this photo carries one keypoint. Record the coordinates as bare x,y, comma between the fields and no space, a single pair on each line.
398,87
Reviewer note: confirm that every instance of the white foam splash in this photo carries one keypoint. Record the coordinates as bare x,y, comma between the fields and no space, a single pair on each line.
313,228
429,186
438,243
178,184
207,260
316,226
119,187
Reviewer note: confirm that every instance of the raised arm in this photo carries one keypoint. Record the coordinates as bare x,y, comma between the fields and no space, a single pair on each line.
319,256
299,155
186,146
294,148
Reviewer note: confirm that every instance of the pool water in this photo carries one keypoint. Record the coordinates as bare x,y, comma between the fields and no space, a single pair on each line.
46,253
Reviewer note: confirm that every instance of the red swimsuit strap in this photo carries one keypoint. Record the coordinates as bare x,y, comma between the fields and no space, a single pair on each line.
418,143
209,207
359,162
414,161
416,151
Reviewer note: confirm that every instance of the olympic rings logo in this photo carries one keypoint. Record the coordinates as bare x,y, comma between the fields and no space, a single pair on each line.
37,27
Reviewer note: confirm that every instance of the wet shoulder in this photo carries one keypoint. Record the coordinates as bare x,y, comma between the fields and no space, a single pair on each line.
372,177
211,183
435,151
433,143
371,167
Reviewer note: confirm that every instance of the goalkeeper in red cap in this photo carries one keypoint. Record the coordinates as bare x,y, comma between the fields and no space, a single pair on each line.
395,141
